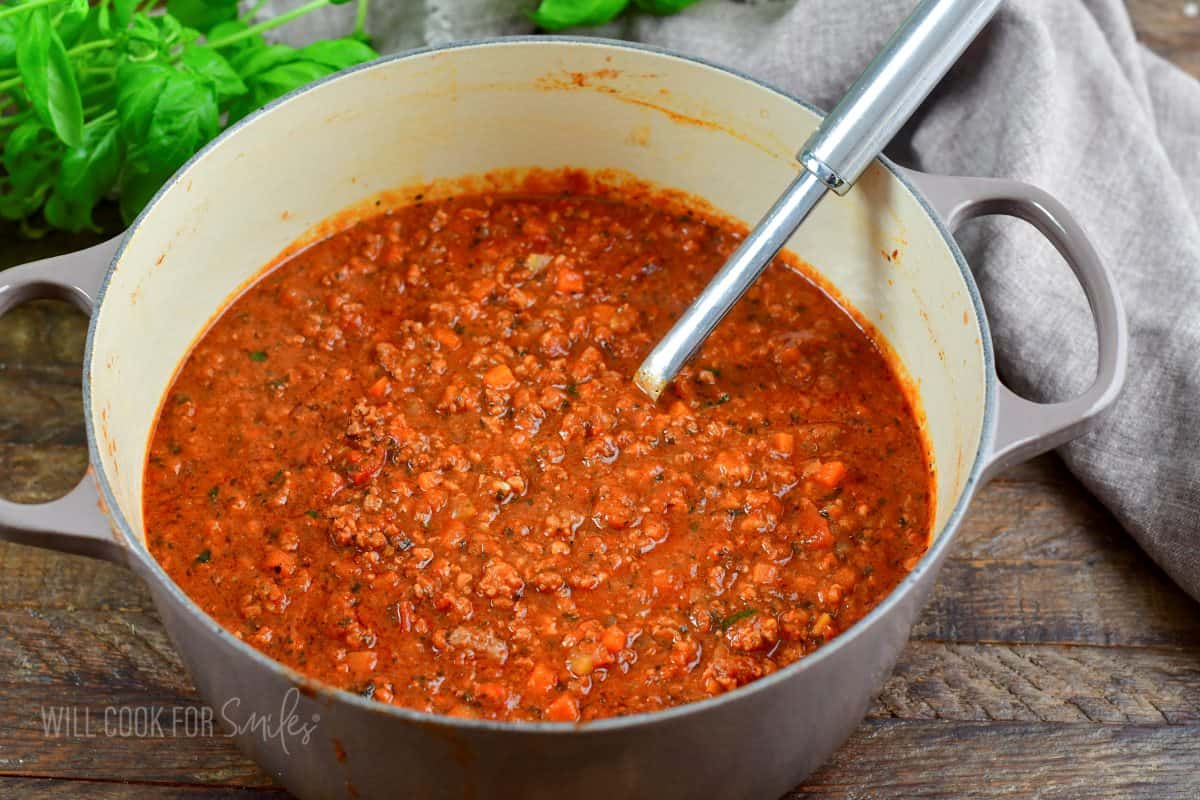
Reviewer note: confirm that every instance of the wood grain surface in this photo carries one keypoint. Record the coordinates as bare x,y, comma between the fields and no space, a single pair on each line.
1053,661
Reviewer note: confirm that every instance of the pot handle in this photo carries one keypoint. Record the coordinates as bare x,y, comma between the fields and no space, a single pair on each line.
1025,428
74,523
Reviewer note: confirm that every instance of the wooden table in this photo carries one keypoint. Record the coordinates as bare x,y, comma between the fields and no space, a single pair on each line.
1054,660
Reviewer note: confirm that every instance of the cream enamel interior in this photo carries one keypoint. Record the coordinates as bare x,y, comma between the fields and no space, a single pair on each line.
519,104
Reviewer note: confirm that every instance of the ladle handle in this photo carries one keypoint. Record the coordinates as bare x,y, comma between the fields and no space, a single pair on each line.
891,88
871,113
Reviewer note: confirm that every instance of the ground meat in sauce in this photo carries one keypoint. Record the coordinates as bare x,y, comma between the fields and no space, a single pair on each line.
411,462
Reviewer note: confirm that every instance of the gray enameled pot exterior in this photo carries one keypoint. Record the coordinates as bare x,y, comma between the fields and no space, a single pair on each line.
756,742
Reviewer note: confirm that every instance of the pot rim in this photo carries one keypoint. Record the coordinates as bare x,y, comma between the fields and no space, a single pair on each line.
149,568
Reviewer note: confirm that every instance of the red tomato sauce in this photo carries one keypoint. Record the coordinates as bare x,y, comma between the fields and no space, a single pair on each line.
411,462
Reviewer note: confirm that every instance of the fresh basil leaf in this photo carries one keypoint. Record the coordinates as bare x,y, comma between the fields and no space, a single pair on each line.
142,39
728,622
138,187
70,24
554,15
270,73
86,175
139,84
338,53
31,157
211,65
249,63
98,25
12,203
282,79
185,117
103,19
224,29
59,214
170,32
27,151
8,41
49,78
203,15
123,12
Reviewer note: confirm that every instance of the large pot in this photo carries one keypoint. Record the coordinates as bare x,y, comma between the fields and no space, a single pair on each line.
545,102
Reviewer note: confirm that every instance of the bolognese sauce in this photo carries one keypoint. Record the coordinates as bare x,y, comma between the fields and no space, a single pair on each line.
411,462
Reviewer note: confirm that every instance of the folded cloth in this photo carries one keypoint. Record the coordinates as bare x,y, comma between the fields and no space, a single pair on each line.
1057,93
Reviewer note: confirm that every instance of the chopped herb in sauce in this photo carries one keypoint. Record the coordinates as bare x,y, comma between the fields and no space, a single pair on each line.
729,621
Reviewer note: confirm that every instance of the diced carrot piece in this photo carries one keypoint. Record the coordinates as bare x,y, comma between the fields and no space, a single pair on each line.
830,474
603,313
613,639
764,573
534,227
846,577
379,388
680,409
568,281
783,444
481,289
499,377
491,694
446,338
329,483
814,527
368,471
361,662
789,356
564,709
278,561
542,679
663,580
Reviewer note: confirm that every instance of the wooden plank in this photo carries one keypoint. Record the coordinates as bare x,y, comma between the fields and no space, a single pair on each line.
48,410
81,664
52,789
1036,683
918,759
79,654
1166,27
212,761
1044,515
886,759
34,578
43,333
35,473
1101,602
66,671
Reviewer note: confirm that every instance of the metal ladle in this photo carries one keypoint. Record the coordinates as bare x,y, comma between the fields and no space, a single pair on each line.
912,62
